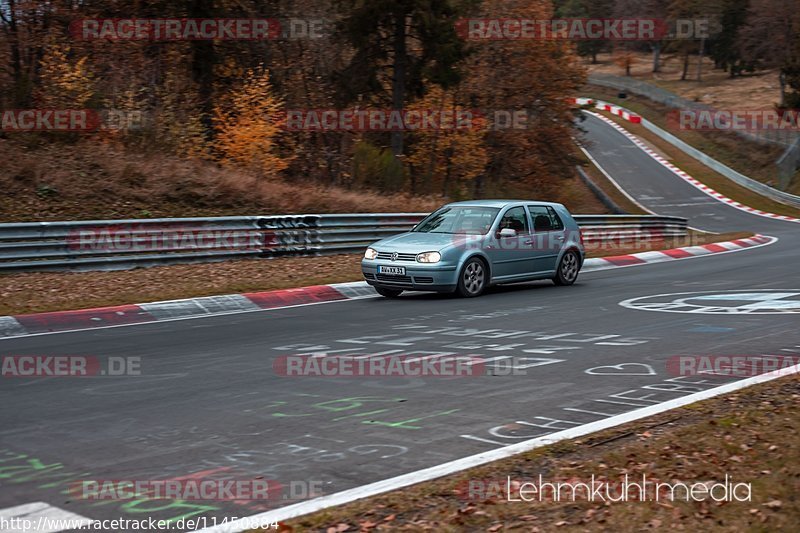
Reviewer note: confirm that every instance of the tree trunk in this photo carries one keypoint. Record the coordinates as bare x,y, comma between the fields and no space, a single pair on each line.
448,155
657,57
203,66
685,66
399,79
20,97
700,59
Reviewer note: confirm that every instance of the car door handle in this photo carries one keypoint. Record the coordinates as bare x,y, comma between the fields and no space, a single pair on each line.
559,237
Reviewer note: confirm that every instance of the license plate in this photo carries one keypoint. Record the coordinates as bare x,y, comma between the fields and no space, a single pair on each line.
394,271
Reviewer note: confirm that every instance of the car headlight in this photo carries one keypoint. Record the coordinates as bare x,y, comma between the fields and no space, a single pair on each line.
370,254
429,257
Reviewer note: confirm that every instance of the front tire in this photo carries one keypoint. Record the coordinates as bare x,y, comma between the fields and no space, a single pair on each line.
568,269
473,279
388,293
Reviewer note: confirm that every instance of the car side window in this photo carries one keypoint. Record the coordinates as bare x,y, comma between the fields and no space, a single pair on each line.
541,218
555,220
516,219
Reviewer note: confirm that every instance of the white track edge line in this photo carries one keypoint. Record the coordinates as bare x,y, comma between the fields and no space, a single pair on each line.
614,182
452,467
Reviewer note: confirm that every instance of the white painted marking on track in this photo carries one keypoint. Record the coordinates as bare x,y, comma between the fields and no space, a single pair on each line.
620,370
728,303
615,183
434,472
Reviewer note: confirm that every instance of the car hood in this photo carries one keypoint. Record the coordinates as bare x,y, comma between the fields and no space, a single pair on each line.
415,242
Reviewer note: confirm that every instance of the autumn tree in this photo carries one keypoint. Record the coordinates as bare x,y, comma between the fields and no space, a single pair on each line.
624,59
687,10
448,159
64,83
725,47
532,78
771,39
587,9
646,9
249,126
397,45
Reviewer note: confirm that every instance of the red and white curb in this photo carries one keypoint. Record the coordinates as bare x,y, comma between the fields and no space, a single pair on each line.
661,256
630,116
686,177
127,315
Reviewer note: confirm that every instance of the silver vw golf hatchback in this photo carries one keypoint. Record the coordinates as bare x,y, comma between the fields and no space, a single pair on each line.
465,247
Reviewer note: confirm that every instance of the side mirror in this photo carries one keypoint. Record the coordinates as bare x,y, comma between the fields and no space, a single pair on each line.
508,232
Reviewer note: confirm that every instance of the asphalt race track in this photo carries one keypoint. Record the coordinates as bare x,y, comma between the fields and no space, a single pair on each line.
209,402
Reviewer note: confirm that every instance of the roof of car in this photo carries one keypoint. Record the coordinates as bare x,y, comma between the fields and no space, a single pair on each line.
499,203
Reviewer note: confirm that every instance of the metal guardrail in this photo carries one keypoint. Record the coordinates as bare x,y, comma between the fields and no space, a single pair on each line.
125,244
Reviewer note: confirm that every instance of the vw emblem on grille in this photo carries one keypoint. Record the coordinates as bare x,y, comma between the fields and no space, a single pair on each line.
395,255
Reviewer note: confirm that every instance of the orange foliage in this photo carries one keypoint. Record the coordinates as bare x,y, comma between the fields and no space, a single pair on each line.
250,126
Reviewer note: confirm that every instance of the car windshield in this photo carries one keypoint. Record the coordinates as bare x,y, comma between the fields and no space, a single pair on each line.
474,220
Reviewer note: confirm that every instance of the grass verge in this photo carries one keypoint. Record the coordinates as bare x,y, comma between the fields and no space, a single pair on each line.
749,435
34,292
88,181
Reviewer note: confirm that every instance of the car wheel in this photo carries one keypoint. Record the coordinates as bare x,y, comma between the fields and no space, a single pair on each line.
568,269
388,293
473,278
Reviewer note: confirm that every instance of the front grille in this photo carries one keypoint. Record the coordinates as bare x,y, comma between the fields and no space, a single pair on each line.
418,279
387,256
367,275
396,279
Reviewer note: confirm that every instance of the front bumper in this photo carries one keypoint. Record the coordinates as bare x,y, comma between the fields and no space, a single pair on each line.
419,277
